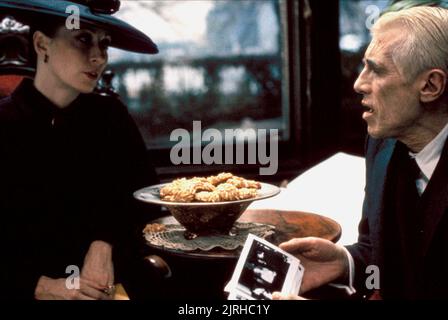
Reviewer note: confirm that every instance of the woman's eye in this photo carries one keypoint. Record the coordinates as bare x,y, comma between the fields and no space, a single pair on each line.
85,39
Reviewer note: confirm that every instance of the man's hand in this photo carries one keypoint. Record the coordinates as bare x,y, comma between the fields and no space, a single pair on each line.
323,260
98,266
280,296
56,289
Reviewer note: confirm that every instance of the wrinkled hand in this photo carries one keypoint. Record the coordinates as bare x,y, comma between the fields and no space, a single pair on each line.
98,267
323,260
56,289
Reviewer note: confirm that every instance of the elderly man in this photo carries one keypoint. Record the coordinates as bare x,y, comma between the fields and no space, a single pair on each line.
404,227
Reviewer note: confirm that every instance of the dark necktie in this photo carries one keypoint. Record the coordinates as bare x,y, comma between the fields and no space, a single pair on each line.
413,170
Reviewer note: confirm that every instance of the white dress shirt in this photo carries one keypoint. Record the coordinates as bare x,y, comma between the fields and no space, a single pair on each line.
427,160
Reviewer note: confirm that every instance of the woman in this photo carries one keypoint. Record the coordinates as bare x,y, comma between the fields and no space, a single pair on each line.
69,162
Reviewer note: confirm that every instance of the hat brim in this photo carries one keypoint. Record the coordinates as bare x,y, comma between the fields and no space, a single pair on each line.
124,36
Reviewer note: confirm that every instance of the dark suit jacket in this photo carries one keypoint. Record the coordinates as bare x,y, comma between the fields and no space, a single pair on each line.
369,250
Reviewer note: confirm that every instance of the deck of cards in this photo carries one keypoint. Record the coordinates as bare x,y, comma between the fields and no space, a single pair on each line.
263,269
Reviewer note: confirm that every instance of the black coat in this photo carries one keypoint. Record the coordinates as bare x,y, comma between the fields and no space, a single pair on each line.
67,178
433,238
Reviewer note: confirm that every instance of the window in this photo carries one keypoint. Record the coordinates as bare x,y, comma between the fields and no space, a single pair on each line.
221,62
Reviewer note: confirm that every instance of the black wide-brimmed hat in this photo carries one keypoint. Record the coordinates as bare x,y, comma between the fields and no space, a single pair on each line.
95,13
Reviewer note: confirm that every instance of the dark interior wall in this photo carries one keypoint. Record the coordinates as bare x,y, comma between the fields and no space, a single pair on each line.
325,107
332,118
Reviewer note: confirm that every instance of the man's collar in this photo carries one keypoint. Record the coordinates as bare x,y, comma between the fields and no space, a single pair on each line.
429,156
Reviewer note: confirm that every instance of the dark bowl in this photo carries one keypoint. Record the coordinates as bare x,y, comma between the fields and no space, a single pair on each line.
203,218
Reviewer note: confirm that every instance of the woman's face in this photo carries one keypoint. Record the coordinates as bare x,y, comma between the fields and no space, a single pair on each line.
77,58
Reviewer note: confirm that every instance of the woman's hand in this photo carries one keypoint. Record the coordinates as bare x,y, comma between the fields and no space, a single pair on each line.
323,260
57,289
98,266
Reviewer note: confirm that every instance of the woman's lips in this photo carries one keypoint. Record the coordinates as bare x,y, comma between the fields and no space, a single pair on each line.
92,75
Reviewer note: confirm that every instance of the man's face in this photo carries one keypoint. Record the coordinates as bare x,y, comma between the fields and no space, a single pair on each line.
392,102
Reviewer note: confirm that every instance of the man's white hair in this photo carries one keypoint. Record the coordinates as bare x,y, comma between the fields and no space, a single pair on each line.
424,44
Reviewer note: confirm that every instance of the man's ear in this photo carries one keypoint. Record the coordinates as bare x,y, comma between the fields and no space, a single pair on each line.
41,43
433,85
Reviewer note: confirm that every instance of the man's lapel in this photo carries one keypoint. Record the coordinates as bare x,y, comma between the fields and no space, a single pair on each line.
376,196
436,198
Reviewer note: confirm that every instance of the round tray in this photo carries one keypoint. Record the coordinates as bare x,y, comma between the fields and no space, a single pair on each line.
172,237
288,225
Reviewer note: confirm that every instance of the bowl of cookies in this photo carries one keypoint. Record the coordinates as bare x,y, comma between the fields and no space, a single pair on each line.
207,205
